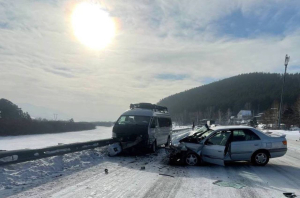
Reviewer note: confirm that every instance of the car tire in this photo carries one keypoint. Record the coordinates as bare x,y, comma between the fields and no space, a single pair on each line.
191,159
260,158
168,142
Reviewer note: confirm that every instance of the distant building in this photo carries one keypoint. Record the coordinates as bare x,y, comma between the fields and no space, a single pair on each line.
244,114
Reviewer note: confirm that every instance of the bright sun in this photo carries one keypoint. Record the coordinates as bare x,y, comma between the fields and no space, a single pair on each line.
92,25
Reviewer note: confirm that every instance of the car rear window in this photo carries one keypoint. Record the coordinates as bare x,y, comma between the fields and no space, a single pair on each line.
244,135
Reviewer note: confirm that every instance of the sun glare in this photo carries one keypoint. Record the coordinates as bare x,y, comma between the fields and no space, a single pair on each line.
92,25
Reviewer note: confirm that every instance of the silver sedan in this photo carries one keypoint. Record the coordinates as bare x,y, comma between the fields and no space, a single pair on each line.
228,143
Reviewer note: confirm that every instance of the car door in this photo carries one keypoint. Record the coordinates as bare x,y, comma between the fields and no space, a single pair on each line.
167,127
214,147
164,129
153,135
244,144
159,132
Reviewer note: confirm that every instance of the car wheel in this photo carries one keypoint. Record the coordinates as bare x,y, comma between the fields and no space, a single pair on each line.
260,158
191,159
168,142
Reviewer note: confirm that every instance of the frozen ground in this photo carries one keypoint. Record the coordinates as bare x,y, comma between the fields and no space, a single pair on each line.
82,175
45,140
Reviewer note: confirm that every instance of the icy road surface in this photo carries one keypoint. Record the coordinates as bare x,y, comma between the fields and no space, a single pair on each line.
53,139
82,175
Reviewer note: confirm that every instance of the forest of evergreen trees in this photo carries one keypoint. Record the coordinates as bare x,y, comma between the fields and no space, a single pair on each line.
13,121
257,92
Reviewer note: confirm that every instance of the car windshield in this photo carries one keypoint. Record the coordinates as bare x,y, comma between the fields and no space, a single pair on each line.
130,119
204,135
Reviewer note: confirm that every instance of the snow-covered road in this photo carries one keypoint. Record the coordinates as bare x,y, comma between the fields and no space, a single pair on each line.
82,175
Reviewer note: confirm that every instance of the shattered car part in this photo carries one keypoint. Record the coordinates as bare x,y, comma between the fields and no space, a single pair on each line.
290,195
229,184
114,149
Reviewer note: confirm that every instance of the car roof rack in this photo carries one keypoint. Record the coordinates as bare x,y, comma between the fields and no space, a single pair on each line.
149,106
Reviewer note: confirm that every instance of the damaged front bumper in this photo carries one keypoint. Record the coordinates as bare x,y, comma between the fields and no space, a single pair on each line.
177,155
118,147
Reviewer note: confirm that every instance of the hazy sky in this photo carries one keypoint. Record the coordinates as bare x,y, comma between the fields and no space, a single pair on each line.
160,48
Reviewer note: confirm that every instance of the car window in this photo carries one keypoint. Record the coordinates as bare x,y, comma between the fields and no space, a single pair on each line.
154,122
139,120
164,122
220,138
244,135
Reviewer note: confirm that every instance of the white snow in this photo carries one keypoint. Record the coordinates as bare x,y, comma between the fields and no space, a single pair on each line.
46,140
290,135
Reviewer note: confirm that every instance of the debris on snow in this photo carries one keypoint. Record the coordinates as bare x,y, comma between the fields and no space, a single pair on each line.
290,195
229,184
106,171
166,175
114,149
143,168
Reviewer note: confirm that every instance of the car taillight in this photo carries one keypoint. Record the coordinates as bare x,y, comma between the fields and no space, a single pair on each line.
284,142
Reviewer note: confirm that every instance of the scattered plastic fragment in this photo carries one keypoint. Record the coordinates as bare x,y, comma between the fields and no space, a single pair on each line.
290,195
106,171
166,175
229,184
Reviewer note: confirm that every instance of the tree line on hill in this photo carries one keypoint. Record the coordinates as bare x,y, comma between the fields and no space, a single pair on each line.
13,121
290,114
220,100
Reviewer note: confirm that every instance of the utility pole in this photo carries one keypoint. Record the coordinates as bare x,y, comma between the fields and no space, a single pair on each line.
286,62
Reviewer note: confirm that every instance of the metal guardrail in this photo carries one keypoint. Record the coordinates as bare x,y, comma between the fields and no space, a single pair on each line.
17,156
23,155
182,129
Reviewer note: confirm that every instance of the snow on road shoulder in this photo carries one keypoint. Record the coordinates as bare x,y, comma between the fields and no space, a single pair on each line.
32,173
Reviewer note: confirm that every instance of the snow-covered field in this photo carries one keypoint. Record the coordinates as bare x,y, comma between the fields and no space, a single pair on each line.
82,175
45,140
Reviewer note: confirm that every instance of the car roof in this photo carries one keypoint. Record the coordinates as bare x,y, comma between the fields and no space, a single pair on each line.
231,127
145,112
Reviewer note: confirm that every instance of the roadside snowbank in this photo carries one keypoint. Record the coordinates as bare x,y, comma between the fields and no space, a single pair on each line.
32,173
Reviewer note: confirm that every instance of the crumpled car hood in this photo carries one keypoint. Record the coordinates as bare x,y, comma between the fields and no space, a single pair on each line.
186,146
